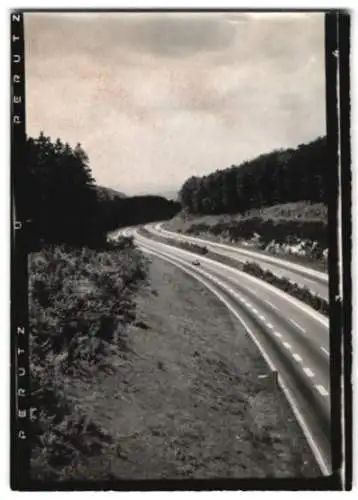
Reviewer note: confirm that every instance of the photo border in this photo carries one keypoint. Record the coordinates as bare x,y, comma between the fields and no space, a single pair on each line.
337,50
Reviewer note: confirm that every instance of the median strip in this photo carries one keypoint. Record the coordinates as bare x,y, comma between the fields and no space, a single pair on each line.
301,293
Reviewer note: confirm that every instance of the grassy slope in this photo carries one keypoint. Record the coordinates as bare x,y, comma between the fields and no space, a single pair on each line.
215,227
187,401
288,211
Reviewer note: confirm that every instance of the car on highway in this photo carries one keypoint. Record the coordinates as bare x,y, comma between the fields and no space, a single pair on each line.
196,263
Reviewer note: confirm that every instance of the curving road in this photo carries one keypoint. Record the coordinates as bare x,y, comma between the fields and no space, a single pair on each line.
292,337
316,281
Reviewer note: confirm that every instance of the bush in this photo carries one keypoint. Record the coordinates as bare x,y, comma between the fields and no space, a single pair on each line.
80,303
301,293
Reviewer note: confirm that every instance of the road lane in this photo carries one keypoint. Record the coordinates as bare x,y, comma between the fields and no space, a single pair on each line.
297,353
315,280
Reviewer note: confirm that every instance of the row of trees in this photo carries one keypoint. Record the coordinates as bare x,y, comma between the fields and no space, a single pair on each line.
62,203
281,176
129,211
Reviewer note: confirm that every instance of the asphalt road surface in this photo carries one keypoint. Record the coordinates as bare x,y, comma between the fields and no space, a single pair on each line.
292,337
314,280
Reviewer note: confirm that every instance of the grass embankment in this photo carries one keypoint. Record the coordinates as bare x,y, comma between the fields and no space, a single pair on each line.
169,388
81,303
187,401
299,292
273,229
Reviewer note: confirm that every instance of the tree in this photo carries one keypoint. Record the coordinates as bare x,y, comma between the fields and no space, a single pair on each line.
278,177
61,198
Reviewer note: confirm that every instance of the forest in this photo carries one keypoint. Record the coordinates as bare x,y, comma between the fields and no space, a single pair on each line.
63,204
281,176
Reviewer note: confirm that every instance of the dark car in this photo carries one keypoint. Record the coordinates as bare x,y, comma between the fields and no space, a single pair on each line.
196,263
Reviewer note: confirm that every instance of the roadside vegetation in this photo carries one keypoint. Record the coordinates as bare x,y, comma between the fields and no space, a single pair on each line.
302,293
297,231
81,302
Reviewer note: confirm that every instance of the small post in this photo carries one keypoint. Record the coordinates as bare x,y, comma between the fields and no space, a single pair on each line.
275,379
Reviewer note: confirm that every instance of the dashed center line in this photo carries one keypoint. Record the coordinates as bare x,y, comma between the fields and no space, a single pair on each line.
288,346
325,351
298,326
271,305
308,372
322,390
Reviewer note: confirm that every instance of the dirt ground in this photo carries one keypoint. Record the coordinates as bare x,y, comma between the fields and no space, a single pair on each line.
187,400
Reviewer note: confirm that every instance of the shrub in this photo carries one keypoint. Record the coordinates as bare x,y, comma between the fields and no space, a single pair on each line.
301,293
80,302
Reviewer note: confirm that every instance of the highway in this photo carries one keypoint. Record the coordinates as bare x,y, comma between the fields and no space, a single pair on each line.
292,337
314,280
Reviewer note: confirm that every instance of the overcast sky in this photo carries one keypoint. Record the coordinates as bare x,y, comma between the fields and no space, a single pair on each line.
155,98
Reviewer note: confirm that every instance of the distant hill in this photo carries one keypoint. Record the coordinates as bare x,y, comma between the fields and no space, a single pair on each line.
109,193
120,211
170,195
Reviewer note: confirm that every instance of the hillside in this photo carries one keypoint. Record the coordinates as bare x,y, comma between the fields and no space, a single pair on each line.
109,193
293,229
281,176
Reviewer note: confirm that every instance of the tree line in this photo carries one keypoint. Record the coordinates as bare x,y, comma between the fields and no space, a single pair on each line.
63,204
118,211
281,176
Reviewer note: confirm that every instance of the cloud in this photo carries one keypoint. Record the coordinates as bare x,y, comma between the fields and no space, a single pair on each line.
154,98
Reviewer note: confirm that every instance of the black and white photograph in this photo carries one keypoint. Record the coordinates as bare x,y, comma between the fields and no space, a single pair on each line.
177,250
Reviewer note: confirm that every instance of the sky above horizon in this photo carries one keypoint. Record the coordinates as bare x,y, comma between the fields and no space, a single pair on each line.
157,97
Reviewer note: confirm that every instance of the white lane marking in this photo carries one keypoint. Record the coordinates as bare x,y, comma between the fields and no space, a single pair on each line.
295,302
278,334
308,372
297,357
324,350
255,311
287,345
322,390
271,305
269,325
298,326
262,317
300,418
